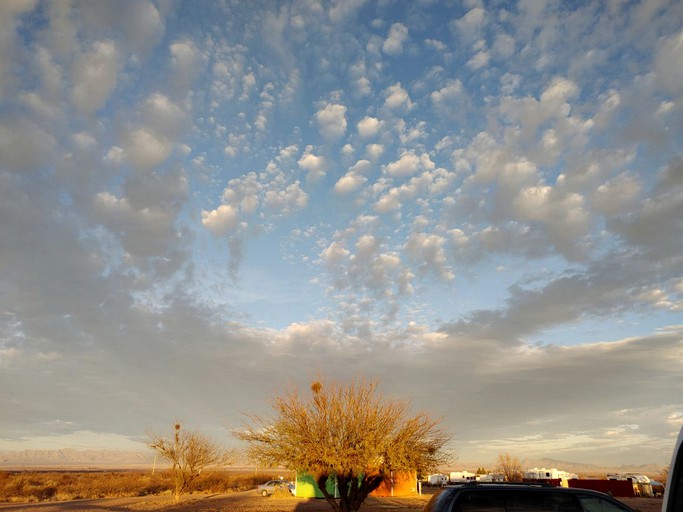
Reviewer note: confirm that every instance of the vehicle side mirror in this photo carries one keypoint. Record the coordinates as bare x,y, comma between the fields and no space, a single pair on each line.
673,494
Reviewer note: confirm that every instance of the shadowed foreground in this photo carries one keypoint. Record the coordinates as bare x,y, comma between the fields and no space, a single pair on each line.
249,501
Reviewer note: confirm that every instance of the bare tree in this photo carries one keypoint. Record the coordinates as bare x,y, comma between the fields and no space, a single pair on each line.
346,434
189,453
510,467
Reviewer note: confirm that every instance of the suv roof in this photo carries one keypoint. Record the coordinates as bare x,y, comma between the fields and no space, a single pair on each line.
499,496
673,493
504,485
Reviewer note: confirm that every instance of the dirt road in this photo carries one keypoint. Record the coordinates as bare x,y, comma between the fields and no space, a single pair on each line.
249,501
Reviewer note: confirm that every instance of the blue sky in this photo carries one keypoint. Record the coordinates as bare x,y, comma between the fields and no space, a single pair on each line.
478,203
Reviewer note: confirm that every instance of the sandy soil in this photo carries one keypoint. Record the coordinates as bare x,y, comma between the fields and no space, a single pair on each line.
249,501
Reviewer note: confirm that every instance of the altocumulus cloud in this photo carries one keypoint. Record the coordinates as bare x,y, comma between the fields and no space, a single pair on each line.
481,206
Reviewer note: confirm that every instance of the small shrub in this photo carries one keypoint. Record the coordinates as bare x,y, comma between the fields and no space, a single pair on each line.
45,493
282,493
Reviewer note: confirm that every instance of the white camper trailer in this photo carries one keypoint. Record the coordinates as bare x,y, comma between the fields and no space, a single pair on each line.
437,480
461,477
492,477
549,474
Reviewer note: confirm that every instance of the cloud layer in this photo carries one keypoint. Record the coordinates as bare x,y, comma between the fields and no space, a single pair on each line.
482,206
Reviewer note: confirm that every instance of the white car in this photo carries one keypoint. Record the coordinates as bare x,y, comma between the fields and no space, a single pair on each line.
272,486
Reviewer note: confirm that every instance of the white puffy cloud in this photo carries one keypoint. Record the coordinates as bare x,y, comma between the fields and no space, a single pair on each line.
503,46
244,192
479,60
374,151
334,254
254,202
163,115
552,113
450,100
669,64
221,221
363,86
94,76
453,91
9,10
40,107
138,26
397,98
408,164
393,44
389,202
654,223
470,25
366,277
332,120
115,155
314,165
342,10
143,216
564,215
349,183
429,252
354,178
617,195
143,25
368,127
559,91
286,201
146,149
439,46
431,183
24,145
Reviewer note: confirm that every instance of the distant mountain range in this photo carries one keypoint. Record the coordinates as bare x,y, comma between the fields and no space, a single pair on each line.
115,459
71,458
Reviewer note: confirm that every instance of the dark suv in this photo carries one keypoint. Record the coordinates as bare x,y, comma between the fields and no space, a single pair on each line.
509,497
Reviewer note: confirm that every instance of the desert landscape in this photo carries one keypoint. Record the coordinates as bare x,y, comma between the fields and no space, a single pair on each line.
57,490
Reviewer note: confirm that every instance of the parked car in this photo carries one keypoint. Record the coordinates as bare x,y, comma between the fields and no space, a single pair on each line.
273,486
673,491
502,497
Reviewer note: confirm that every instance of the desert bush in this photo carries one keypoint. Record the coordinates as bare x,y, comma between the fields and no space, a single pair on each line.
35,486
26,486
282,493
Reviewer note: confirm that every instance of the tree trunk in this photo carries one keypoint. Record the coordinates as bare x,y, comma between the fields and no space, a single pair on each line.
353,491
180,483
322,485
346,487
360,488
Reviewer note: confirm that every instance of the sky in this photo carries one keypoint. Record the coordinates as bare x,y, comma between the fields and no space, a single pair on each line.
479,204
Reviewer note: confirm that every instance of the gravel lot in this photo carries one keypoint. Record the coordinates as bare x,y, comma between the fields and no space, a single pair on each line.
249,501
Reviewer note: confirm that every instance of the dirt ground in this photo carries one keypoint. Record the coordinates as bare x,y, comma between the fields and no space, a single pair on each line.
249,501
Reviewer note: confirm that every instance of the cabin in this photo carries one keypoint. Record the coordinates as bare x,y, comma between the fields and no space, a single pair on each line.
399,483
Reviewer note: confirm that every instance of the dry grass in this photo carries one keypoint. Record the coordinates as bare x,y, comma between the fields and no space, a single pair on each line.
41,486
